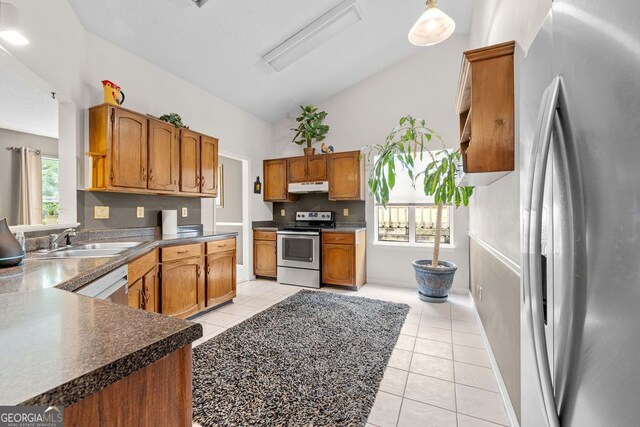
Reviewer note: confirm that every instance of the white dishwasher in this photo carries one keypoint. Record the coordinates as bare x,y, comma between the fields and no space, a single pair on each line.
113,287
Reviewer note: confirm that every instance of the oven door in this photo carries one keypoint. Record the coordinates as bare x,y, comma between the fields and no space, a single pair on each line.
299,249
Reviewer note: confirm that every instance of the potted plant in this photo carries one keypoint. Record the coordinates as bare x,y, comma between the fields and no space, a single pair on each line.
50,212
310,128
407,143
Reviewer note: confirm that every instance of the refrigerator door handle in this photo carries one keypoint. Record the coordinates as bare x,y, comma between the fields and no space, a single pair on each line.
532,266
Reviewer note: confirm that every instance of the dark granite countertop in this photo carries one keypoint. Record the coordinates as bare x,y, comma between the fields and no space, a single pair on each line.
341,227
72,273
59,347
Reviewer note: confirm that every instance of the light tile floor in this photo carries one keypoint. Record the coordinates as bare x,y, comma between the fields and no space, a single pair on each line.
439,373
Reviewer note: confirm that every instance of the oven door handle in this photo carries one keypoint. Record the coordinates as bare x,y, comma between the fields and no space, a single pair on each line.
299,233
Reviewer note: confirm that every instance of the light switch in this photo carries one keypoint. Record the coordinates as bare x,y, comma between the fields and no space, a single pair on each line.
282,212
140,212
101,212
185,213
345,212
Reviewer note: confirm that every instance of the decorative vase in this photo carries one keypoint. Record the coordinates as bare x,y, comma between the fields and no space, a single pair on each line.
434,284
309,151
10,249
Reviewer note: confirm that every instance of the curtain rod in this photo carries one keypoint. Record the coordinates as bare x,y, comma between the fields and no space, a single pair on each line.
19,148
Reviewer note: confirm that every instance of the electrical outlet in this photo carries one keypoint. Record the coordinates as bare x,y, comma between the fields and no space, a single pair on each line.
282,212
140,212
101,212
185,213
345,212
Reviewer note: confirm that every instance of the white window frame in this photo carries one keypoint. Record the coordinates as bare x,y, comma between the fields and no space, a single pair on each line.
412,228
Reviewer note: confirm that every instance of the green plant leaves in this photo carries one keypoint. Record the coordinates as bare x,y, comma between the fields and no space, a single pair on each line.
311,128
406,142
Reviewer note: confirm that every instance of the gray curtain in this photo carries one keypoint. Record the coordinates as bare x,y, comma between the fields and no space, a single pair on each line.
30,187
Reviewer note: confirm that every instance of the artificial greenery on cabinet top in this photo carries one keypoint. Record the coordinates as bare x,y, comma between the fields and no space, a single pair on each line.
311,128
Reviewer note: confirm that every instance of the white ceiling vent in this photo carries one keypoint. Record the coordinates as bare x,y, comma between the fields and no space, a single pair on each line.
313,35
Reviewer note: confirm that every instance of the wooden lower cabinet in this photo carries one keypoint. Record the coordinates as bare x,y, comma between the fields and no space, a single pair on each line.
265,255
143,282
182,282
344,258
221,277
159,394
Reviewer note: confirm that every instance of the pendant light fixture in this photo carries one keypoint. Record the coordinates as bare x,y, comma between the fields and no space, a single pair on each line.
432,27
9,25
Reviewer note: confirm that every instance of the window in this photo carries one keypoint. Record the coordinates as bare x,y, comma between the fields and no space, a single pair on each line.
410,216
50,190
412,224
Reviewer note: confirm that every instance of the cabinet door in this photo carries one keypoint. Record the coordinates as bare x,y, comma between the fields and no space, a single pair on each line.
221,277
136,295
189,161
182,287
297,169
345,176
338,264
150,283
209,165
129,150
264,258
317,168
275,180
164,156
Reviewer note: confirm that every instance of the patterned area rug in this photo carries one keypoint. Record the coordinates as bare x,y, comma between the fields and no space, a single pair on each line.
314,359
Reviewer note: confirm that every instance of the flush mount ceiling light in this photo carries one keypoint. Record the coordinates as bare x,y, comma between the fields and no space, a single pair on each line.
432,27
199,3
9,25
313,35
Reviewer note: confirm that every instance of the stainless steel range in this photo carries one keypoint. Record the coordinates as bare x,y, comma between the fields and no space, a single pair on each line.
299,254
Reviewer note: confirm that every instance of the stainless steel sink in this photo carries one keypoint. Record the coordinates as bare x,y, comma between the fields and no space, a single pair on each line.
108,245
90,250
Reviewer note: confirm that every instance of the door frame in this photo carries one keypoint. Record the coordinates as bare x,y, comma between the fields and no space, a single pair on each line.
244,270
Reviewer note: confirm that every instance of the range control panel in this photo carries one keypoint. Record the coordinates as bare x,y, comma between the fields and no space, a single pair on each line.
315,216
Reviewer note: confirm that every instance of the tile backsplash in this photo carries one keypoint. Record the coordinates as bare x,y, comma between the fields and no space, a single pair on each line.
122,209
320,202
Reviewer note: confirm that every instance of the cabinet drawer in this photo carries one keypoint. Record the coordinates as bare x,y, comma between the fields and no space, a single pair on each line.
264,235
180,252
221,245
142,265
344,238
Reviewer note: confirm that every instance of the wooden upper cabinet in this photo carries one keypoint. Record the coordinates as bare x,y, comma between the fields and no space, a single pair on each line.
485,104
164,156
307,168
129,150
275,181
346,181
189,161
317,168
209,165
297,169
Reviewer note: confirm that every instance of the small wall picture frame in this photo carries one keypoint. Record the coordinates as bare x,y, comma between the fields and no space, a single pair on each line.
220,198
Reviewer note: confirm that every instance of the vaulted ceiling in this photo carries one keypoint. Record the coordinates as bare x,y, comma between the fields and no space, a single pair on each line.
219,46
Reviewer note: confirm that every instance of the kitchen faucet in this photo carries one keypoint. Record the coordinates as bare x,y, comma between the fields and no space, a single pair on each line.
55,238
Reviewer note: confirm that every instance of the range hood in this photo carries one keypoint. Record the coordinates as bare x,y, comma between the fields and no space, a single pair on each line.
309,187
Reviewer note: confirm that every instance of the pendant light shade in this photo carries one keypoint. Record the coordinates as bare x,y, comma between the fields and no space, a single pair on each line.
432,27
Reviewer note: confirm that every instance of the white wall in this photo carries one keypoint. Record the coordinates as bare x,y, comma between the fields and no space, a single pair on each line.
425,86
496,21
74,62
494,212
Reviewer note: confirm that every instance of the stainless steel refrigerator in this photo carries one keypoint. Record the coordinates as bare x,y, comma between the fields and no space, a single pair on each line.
579,157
